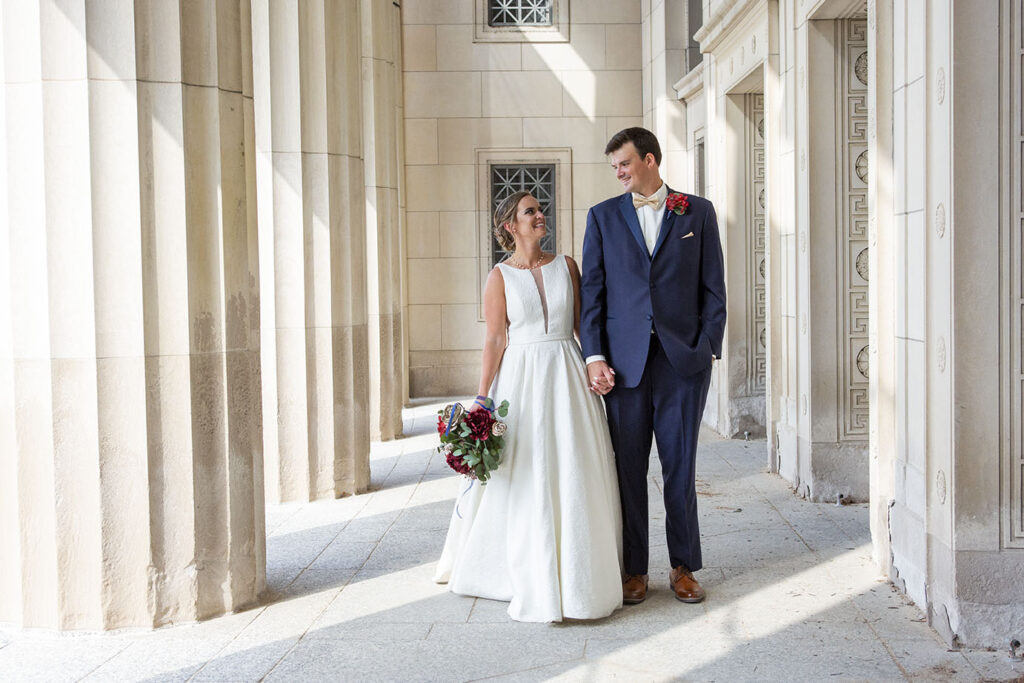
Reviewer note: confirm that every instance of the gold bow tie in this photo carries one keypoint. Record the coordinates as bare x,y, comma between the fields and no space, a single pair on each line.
652,202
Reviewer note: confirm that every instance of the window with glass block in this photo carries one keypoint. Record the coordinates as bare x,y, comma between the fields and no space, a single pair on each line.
538,180
519,12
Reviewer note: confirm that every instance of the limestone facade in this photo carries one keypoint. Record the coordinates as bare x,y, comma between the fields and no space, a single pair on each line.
166,163
313,227
884,282
130,434
471,102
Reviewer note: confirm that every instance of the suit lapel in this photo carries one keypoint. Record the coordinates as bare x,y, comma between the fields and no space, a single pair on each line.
667,222
629,213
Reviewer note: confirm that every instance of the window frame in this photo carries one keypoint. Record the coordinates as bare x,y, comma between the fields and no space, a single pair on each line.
561,157
557,32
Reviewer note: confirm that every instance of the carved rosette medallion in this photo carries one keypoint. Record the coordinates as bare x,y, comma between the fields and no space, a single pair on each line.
860,67
862,361
862,264
861,166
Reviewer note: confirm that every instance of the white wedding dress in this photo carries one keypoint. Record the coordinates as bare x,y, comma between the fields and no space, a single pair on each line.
544,533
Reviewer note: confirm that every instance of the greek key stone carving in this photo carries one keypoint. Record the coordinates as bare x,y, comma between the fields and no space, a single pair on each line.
754,136
852,291
1013,140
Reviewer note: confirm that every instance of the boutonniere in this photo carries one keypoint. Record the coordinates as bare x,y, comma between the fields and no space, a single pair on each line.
677,203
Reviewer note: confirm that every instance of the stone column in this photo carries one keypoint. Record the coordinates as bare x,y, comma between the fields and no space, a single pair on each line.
311,199
881,289
130,442
382,113
664,59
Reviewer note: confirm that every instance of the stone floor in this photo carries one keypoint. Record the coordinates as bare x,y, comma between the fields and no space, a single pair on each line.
792,594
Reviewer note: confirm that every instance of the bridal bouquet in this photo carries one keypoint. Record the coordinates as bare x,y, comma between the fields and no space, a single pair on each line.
471,441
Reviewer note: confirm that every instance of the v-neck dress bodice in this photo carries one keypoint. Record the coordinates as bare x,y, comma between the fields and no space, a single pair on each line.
544,534
539,313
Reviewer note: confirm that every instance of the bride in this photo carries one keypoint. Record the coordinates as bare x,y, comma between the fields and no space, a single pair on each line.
544,533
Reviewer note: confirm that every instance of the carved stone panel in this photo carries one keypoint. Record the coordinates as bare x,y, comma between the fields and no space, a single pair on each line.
755,221
1014,335
854,167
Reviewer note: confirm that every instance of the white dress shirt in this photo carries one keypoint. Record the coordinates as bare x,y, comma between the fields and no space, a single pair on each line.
650,225
650,218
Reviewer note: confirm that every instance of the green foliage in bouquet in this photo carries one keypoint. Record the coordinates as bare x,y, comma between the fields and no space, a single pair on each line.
472,441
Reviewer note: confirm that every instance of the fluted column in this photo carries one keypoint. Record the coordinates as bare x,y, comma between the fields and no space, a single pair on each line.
131,482
381,50
310,174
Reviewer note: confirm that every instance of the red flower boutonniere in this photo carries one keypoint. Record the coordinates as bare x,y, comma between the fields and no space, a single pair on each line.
677,203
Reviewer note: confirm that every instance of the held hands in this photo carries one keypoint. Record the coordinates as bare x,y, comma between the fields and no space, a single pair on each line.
602,377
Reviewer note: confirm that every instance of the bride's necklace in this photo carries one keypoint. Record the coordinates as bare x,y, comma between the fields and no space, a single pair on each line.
527,266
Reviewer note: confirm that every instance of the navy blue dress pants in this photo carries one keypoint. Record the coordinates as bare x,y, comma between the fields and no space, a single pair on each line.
669,407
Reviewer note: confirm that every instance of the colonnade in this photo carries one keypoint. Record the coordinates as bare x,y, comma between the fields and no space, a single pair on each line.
166,162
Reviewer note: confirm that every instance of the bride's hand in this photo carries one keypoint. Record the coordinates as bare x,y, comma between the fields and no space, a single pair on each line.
481,403
602,377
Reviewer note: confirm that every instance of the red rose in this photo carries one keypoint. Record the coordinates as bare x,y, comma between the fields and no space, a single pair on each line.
441,425
458,464
677,203
479,423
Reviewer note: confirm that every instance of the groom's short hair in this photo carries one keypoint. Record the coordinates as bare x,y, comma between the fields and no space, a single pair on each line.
643,139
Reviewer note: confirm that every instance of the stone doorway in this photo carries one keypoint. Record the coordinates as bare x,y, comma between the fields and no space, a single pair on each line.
740,396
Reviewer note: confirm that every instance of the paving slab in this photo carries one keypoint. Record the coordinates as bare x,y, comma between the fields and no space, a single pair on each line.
792,595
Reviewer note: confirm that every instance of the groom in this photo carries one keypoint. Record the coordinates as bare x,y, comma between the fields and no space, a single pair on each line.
652,320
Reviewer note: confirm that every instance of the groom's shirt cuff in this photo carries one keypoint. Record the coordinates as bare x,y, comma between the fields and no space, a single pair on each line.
594,359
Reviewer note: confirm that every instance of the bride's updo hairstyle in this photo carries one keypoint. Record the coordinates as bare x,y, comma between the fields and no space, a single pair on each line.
506,213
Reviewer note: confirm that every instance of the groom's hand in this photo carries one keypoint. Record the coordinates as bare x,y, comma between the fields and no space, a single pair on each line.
602,377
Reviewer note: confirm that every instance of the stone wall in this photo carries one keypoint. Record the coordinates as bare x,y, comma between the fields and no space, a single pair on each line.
469,102
884,181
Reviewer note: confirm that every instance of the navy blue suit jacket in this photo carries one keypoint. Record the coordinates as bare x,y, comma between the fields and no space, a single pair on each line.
679,290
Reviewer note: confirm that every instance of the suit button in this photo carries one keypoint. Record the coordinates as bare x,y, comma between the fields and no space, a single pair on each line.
650,317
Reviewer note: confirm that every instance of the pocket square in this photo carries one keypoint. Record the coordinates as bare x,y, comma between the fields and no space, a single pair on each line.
689,234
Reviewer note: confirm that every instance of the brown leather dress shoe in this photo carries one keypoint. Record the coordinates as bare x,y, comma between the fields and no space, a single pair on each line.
685,586
634,589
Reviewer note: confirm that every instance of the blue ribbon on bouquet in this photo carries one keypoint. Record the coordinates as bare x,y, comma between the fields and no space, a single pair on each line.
459,502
